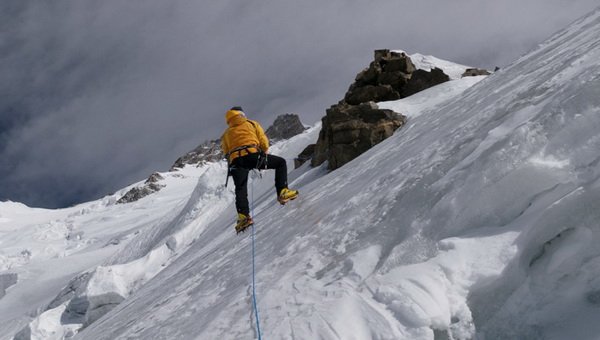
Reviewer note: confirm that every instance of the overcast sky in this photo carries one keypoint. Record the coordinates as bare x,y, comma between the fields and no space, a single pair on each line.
95,95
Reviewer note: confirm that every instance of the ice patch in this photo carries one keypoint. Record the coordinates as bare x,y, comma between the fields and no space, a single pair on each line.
549,162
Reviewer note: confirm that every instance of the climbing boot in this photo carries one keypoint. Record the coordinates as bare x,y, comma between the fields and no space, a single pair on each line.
243,222
286,195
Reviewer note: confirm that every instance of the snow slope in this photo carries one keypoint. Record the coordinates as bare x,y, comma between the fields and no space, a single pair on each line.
475,220
429,62
45,249
449,227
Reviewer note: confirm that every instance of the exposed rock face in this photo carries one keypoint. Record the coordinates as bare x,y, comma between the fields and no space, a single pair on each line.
382,80
285,126
391,76
421,80
356,124
472,72
363,94
150,186
304,156
209,151
349,130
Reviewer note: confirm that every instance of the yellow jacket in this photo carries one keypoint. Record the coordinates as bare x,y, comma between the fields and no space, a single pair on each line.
242,132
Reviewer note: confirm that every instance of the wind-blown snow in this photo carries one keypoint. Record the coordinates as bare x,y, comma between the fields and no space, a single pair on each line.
430,99
477,219
429,62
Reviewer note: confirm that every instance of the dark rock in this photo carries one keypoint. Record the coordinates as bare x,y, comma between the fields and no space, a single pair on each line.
421,80
355,124
285,126
7,280
150,186
154,178
349,130
398,63
368,76
304,156
369,93
391,76
472,72
321,152
209,151
396,79
390,61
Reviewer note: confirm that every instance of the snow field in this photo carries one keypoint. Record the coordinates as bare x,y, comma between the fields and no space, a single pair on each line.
310,307
475,220
46,248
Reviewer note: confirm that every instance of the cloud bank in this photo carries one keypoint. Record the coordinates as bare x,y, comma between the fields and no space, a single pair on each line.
95,95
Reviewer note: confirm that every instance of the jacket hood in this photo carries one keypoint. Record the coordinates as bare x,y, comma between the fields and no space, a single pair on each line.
236,120
232,113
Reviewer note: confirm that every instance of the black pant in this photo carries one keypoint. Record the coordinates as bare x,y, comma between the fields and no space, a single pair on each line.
239,171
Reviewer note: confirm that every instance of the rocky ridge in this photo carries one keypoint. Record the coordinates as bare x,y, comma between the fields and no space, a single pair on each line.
284,127
356,123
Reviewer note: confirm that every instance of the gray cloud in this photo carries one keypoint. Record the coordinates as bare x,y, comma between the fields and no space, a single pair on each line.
97,94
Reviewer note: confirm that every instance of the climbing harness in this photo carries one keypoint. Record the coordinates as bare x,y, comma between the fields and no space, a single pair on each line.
239,150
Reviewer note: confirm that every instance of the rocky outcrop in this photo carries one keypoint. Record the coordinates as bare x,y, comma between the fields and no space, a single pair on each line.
150,186
304,156
472,72
209,151
356,123
391,76
285,126
349,130
421,80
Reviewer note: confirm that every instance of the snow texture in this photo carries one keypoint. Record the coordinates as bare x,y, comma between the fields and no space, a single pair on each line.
477,220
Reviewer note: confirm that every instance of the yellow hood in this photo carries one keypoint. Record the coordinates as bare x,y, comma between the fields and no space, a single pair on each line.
234,117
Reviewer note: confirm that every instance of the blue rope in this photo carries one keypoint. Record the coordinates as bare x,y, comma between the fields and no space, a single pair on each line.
253,264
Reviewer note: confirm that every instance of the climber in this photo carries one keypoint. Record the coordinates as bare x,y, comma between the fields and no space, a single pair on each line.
245,145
